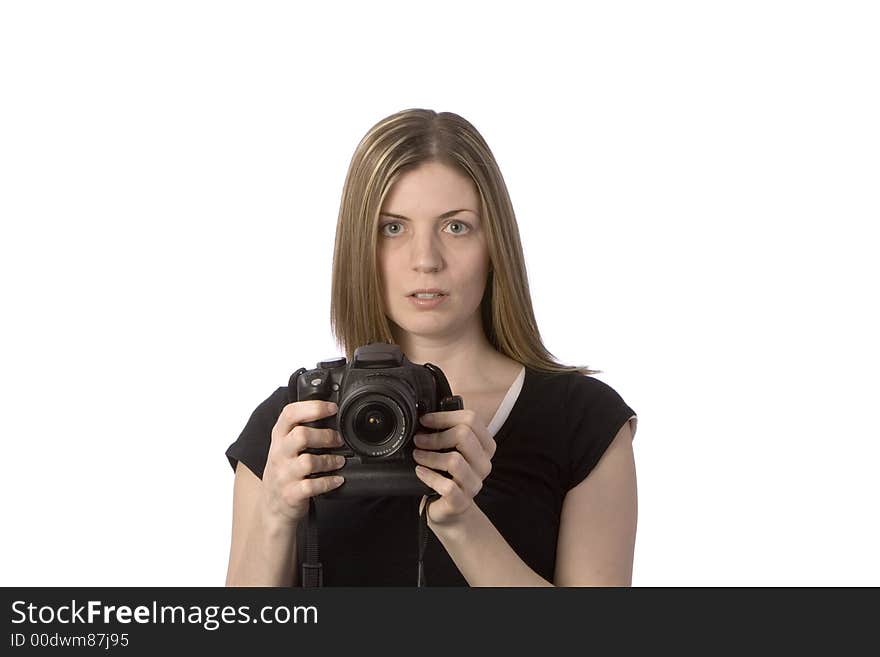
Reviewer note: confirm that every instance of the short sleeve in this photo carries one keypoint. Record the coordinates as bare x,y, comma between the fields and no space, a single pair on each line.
252,445
596,412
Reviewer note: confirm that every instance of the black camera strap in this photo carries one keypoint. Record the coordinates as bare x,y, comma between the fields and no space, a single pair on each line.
312,570
423,538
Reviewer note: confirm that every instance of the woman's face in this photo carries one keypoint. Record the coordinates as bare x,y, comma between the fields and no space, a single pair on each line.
429,245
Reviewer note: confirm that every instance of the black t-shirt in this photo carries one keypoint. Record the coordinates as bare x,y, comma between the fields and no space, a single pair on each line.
556,432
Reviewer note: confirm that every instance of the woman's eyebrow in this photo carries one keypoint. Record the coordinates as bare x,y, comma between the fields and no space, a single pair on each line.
442,216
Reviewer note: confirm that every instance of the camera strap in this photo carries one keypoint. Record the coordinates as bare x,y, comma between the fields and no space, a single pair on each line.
423,538
312,570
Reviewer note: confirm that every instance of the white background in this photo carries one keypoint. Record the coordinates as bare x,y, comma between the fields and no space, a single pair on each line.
696,186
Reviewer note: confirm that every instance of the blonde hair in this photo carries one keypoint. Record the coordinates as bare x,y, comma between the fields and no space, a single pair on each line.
393,146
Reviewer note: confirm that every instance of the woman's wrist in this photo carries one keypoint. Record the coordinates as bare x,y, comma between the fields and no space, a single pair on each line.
457,527
275,527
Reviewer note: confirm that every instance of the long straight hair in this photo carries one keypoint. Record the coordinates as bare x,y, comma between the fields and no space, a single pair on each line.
393,146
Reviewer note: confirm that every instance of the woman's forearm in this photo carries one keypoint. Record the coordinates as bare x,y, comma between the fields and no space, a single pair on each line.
269,556
481,553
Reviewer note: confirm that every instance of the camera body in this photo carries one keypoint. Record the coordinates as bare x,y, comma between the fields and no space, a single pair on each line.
380,397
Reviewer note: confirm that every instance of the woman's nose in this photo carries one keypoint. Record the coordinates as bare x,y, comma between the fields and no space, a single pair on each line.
425,255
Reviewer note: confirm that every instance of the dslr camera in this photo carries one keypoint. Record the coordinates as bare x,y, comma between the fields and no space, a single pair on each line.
380,397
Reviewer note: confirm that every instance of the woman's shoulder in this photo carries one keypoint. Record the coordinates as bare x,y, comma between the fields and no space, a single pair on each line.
574,389
265,415
252,445
587,387
272,405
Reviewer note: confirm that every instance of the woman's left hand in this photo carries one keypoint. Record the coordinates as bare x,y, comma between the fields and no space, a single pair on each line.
469,463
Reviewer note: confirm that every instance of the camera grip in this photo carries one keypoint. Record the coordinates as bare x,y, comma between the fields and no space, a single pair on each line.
383,479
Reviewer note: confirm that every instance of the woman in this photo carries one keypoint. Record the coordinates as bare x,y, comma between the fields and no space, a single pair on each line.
543,485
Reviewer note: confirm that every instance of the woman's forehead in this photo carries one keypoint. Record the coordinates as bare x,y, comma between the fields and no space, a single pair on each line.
429,183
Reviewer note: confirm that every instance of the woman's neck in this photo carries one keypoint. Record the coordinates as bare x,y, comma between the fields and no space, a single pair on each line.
472,372
467,359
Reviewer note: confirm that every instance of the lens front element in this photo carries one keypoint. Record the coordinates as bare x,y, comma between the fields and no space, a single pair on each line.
375,423
378,416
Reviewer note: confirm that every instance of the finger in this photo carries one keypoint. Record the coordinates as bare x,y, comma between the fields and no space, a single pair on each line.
467,444
301,438
479,461
443,485
442,440
448,419
303,411
306,464
453,463
318,485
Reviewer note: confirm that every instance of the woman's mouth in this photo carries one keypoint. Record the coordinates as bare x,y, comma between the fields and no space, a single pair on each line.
427,301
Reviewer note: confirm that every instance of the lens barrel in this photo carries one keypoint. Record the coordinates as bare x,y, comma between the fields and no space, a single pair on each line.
377,418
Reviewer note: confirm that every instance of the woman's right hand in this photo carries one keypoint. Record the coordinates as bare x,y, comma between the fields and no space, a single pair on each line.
286,486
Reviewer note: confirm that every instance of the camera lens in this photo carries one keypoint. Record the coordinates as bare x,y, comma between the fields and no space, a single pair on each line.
375,423
377,416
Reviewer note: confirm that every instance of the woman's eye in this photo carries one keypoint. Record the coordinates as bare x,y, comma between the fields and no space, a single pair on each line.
463,230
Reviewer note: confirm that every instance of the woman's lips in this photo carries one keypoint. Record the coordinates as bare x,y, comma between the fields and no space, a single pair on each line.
427,304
